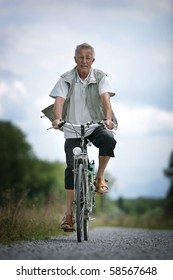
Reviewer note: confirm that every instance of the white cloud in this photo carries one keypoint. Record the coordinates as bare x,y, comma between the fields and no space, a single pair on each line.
136,119
11,94
14,90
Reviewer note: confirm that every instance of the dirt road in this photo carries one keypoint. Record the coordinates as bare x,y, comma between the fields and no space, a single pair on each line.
104,243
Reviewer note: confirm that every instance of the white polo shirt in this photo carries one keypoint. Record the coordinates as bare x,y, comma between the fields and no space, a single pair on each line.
78,112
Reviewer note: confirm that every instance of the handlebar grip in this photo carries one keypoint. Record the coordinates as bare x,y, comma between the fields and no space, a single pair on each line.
61,124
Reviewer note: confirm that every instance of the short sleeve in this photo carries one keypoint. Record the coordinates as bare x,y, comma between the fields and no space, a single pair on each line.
104,86
60,89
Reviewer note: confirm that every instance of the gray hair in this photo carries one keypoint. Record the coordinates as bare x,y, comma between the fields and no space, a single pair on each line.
84,46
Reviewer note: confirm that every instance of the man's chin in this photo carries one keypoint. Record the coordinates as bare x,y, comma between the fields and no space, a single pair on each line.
84,70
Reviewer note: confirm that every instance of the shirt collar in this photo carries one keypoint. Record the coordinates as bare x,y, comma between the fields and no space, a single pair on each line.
90,78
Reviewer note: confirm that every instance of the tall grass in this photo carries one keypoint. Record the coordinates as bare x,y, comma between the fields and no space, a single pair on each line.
151,220
29,223
18,222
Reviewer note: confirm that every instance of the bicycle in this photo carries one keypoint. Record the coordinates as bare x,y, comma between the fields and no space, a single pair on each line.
84,180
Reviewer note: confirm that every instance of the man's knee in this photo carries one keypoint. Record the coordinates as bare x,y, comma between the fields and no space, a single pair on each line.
107,145
109,140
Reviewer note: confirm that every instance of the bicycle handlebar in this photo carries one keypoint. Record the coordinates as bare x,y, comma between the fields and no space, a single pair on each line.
86,125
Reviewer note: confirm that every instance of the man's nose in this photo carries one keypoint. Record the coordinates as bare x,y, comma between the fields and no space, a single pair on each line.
84,59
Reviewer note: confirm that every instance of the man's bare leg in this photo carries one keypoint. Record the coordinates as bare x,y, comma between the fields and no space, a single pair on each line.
103,162
68,220
69,201
101,183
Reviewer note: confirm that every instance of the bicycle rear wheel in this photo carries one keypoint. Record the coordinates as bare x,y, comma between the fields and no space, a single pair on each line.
79,188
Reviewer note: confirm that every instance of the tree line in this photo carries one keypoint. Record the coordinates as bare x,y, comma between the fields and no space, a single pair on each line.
24,176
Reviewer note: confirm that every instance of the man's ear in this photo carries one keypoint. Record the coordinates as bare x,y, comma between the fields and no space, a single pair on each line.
93,60
75,59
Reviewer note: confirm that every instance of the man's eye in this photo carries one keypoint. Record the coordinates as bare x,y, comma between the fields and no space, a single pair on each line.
82,57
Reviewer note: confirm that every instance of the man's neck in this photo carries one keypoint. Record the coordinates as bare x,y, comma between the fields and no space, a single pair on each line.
83,74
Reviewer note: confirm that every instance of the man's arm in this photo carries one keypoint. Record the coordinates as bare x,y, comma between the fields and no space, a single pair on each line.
105,98
58,108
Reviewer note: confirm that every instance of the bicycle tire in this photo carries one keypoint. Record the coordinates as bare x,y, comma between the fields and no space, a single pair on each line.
86,226
90,204
80,202
86,214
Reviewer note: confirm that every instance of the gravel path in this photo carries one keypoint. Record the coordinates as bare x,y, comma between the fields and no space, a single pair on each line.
104,243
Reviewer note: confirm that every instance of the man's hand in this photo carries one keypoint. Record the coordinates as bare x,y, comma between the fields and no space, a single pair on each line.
56,123
109,124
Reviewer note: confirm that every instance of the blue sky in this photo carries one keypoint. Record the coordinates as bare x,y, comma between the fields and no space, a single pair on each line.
133,41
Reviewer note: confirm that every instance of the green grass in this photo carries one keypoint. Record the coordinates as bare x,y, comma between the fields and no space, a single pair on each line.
29,224
21,223
150,220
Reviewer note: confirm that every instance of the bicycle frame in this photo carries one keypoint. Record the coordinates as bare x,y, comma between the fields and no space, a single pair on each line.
84,179
84,189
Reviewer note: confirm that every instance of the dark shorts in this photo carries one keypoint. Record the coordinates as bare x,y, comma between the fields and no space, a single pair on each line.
101,138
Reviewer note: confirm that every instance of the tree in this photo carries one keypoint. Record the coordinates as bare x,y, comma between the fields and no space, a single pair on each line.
22,173
15,153
46,182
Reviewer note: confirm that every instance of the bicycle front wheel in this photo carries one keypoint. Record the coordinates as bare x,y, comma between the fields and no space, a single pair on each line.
79,188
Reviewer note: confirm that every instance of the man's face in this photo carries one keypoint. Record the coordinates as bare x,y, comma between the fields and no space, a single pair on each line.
84,61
